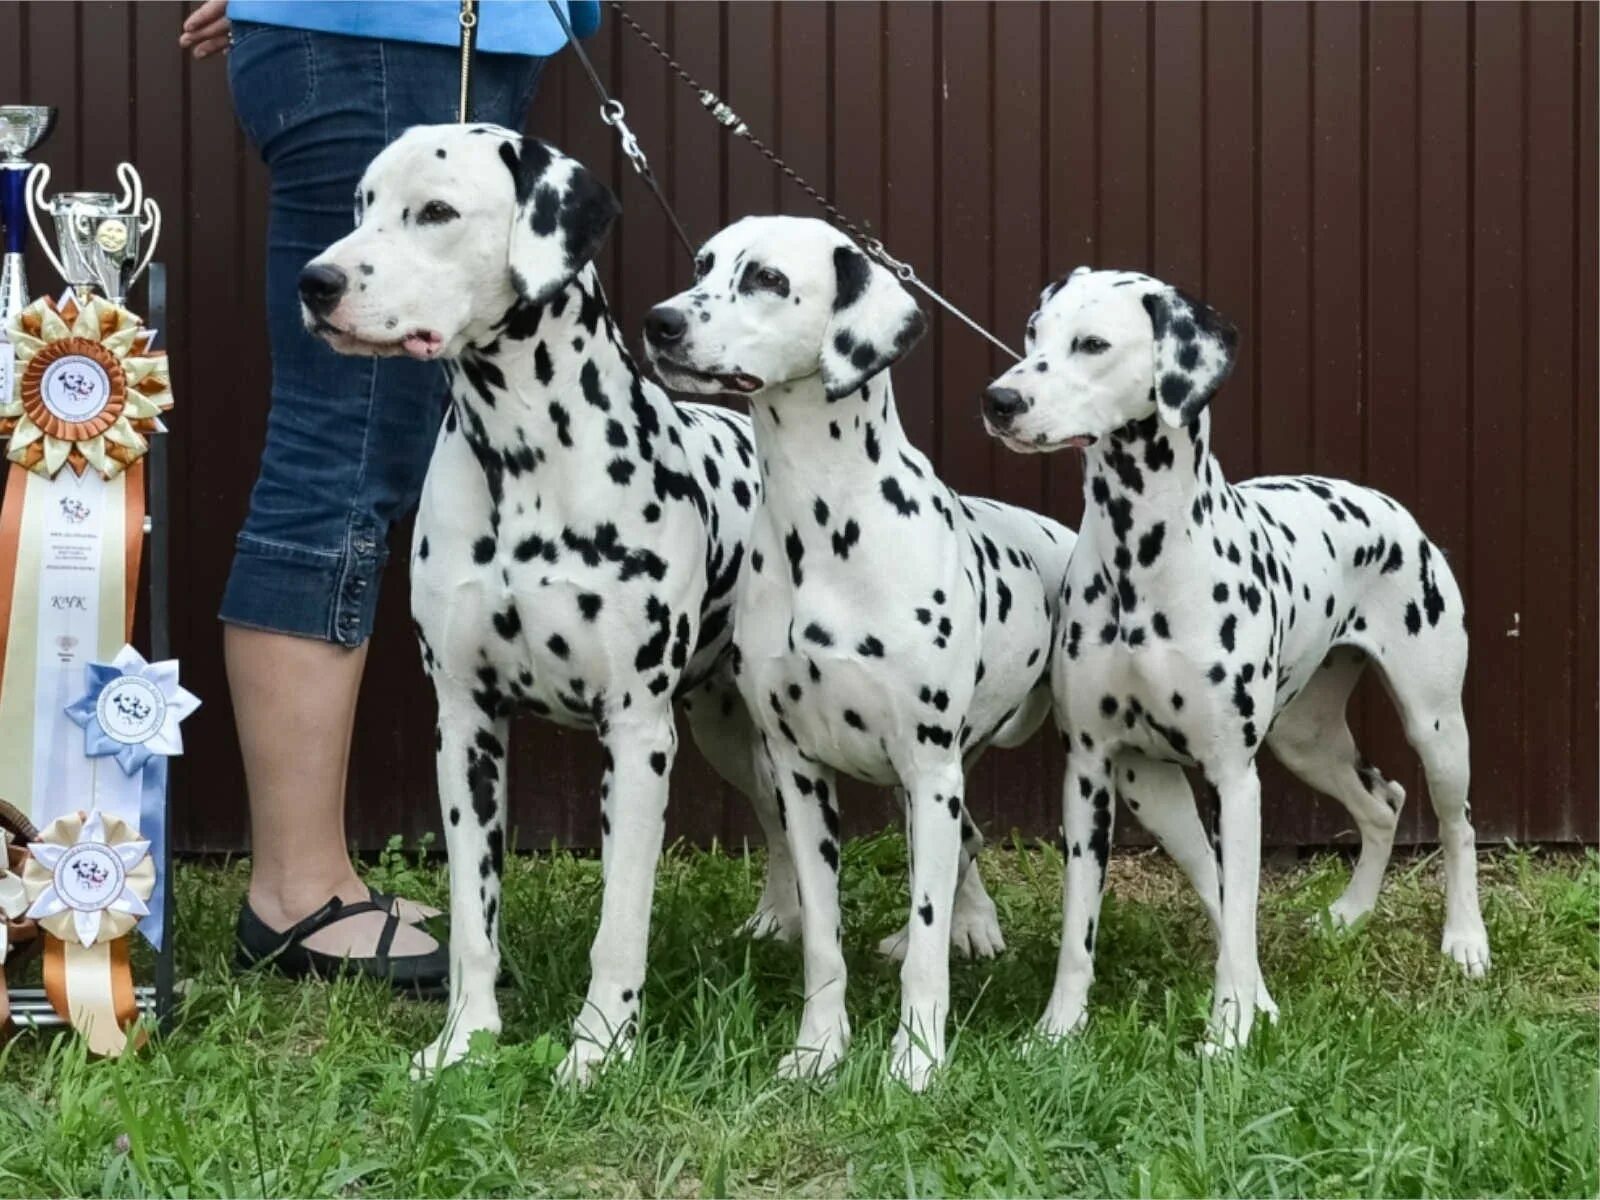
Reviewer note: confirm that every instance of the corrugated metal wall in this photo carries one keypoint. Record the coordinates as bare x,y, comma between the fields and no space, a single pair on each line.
1395,202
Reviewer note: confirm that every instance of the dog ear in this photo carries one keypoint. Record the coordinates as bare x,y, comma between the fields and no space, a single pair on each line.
1193,347
874,322
561,219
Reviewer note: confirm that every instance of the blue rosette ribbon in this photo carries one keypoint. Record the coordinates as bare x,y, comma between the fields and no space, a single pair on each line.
130,716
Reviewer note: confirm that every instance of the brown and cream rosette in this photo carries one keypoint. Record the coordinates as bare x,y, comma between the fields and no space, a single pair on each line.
88,387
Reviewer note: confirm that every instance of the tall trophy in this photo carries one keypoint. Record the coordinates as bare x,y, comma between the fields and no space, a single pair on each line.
98,234
22,127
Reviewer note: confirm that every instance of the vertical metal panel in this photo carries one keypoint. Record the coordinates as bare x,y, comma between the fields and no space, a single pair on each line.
1395,203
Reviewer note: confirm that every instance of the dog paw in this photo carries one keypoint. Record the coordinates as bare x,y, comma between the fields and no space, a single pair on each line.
1061,1021
973,934
811,1062
771,922
1470,949
819,1048
1345,913
913,1061
446,1050
975,931
1265,1005
1230,1025
586,1059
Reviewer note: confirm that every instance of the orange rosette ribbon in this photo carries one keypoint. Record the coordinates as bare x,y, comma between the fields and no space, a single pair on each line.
88,387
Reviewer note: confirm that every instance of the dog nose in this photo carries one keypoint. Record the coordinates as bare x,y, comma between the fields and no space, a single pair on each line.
321,286
1002,404
664,325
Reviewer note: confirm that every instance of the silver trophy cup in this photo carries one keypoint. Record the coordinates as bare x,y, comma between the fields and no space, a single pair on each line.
98,234
22,127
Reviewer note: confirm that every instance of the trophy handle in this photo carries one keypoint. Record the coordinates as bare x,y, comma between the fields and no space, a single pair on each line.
33,199
150,223
132,188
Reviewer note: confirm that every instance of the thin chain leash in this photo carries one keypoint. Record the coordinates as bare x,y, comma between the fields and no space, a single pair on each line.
469,35
730,120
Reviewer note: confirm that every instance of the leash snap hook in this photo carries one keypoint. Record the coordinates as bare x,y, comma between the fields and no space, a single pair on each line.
903,271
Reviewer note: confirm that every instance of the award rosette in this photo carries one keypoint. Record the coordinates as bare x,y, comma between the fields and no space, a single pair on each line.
130,717
89,879
87,391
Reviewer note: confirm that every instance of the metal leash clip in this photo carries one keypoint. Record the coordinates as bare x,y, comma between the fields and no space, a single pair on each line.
612,113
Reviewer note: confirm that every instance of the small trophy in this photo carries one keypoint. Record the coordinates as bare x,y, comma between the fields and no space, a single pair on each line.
98,234
22,127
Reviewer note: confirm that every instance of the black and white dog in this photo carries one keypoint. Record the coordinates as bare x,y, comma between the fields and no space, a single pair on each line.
886,627
1201,619
578,544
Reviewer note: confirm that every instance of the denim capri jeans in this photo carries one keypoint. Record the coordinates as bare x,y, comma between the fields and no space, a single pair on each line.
348,439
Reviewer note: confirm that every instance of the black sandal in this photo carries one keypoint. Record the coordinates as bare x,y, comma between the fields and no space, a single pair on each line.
257,944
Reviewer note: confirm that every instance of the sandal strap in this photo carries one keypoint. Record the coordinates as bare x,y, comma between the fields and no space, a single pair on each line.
386,938
333,911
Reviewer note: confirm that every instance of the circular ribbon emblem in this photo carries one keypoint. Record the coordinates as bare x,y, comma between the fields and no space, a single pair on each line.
131,710
73,389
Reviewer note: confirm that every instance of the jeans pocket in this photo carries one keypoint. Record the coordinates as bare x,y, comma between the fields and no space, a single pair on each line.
272,73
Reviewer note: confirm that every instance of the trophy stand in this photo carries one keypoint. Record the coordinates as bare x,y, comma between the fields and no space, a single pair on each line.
30,1007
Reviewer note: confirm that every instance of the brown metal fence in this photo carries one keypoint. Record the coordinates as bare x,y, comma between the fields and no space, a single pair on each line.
1396,202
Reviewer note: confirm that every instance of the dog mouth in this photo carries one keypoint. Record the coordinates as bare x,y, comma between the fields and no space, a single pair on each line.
1039,443
728,381
424,345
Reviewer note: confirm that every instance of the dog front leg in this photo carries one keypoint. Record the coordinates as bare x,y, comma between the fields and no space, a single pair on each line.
1087,814
1238,848
641,746
806,795
471,766
934,805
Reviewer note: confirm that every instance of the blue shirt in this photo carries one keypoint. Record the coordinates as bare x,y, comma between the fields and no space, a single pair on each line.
504,26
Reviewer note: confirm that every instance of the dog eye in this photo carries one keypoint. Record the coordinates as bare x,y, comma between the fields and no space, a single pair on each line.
1091,344
772,280
1031,332
702,266
436,212
358,207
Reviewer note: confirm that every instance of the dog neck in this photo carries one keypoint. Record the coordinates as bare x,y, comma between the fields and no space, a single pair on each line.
550,389
809,446
1146,474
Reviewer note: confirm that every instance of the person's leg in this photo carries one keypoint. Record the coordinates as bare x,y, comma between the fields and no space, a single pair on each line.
347,447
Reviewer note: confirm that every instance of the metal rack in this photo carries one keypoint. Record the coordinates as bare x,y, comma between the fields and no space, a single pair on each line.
30,1006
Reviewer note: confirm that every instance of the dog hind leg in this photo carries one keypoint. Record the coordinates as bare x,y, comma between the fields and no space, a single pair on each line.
1312,739
1437,729
721,726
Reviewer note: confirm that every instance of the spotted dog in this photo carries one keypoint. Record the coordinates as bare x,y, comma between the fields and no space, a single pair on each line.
1203,619
578,542
886,627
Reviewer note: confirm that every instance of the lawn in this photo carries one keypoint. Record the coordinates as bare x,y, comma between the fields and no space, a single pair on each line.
1388,1075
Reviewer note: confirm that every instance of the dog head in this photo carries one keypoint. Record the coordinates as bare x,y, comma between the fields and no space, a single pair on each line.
1106,348
454,223
779,299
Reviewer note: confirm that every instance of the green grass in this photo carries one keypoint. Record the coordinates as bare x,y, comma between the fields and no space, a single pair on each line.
1388,1075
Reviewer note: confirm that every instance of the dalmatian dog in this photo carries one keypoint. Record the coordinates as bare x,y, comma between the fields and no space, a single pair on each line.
886,627
579,540
1202,620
